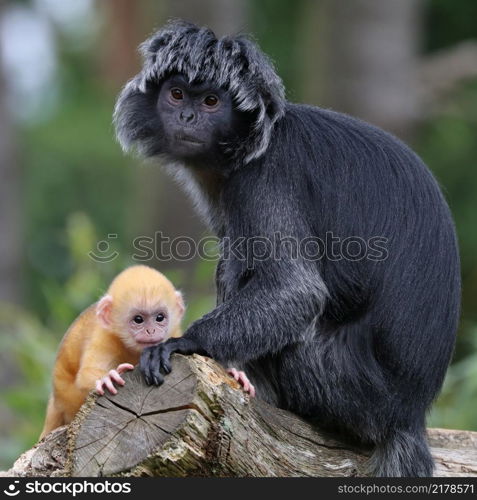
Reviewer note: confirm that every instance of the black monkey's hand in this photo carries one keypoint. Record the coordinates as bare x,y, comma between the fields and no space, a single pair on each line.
155,361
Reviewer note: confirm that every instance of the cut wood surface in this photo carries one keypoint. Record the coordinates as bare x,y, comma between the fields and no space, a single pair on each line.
201,423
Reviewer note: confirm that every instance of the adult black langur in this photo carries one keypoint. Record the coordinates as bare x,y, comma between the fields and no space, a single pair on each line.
359,343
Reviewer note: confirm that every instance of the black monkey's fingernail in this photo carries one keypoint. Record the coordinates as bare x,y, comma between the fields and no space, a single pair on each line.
166,361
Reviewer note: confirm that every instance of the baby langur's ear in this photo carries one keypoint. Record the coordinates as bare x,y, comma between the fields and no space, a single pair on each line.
103,310
180,303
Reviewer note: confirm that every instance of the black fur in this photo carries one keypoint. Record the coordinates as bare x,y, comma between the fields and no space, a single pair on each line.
360,346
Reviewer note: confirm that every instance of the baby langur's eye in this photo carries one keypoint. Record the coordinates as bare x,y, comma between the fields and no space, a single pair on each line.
160,317
211,101
177,94
138,319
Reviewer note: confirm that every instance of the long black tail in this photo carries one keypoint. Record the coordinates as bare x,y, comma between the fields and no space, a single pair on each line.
404,454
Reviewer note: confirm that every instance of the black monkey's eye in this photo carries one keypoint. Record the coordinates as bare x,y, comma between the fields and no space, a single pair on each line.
138,319
211,101
160,317
177,94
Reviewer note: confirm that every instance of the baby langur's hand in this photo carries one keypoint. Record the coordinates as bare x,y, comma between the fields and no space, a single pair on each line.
243,380
113,376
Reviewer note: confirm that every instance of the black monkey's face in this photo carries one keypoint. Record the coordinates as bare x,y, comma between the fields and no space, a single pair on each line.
198,120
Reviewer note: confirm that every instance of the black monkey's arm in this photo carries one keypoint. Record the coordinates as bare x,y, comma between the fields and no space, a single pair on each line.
268,313
273,309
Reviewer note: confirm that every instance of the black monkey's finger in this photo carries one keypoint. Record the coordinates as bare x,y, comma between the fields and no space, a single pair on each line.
155,365
166,361
145,365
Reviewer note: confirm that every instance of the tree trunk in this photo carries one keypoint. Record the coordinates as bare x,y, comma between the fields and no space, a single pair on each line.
224,17
362,58
200,423
118,57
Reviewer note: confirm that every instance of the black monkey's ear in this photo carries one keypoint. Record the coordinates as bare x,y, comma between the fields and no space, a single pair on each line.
233,63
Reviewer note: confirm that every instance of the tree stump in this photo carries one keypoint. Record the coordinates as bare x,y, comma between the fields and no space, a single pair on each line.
200,423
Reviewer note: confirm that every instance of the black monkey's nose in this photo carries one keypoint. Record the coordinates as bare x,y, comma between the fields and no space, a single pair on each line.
187,116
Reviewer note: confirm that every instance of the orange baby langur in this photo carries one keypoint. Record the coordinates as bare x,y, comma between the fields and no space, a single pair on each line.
140,309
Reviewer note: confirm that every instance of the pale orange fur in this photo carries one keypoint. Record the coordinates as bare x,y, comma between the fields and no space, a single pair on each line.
90,348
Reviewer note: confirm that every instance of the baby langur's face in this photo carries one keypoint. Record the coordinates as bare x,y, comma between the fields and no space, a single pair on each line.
149,327
141,316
